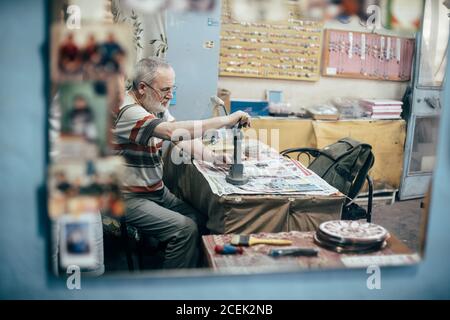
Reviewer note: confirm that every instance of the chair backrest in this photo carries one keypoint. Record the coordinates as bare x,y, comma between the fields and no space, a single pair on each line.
344,165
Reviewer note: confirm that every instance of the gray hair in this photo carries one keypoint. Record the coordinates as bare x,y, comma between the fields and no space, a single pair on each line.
146,70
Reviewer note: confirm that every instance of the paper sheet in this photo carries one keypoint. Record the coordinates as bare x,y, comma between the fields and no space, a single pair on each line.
268,176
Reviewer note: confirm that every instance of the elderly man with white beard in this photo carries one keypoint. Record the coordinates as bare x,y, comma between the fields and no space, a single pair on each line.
141,125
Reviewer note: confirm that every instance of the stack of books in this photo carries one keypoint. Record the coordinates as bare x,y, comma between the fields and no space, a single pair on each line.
383,108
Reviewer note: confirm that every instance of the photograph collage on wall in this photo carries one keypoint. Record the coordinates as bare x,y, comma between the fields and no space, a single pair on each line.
89,64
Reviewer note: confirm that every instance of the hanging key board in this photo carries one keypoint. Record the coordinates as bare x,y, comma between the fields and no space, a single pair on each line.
289,49
367,56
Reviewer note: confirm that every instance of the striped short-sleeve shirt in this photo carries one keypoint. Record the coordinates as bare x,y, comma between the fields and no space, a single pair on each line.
133,139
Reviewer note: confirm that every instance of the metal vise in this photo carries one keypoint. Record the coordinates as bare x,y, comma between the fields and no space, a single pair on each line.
236,174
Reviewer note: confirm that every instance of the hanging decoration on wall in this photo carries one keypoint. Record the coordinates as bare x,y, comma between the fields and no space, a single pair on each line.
258,10
289,49
154,6
404,14
161,44
147,6
149,28
367,56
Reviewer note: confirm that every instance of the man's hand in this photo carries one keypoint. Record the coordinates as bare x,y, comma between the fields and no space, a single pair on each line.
222,158
239,117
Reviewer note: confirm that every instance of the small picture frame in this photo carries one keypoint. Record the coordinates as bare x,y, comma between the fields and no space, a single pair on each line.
274,96
94,52
84,116
77,240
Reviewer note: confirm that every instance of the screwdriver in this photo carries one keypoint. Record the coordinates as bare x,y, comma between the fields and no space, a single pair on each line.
293,251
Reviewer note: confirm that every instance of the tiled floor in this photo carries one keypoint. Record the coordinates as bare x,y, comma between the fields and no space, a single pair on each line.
402,219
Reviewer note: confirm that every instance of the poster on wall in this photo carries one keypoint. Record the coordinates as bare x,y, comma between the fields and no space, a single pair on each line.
362,55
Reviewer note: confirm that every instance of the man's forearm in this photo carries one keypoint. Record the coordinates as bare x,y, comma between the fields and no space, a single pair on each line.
187,130
196,149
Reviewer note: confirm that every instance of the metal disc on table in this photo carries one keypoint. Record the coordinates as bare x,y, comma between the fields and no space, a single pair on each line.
353,232
351,242
340,248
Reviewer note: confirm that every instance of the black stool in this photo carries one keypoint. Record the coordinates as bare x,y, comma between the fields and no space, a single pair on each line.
131,240
127,233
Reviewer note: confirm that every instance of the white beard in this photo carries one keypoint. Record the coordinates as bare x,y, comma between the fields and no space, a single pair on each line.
153,105
157,108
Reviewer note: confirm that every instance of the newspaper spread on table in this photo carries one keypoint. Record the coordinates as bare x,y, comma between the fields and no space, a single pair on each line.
269,174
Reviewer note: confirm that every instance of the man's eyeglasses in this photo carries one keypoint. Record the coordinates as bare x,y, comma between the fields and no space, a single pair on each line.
162,92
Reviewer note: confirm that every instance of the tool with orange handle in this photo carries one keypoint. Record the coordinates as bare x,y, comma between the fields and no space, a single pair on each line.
241,240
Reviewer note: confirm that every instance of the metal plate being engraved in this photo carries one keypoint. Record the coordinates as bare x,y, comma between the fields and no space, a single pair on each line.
348,248
353,232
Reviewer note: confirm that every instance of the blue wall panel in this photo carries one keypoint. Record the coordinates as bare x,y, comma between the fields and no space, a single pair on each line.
196,67
23,262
